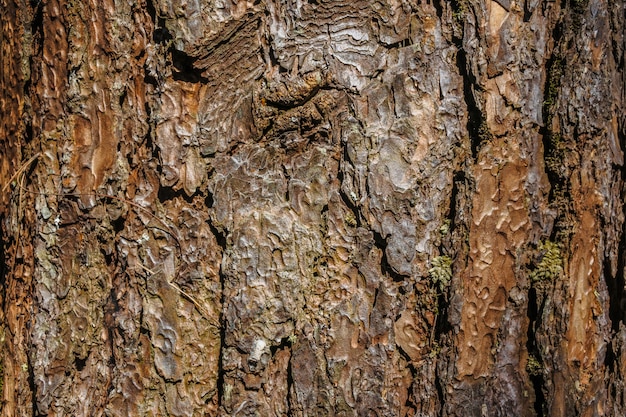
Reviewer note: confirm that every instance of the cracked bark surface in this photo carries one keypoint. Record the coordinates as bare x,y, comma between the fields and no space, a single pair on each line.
292,208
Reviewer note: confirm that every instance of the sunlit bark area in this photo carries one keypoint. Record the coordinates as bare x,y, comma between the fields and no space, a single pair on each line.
312,208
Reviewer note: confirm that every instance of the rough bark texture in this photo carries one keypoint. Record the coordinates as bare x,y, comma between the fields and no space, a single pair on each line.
323,208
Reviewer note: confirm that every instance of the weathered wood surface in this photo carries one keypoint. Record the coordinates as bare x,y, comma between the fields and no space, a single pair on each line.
333,208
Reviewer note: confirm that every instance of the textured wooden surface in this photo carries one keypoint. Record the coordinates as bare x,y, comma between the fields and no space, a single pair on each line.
323,208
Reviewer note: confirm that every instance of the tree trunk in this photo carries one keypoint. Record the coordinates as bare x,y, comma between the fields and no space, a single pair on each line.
323,208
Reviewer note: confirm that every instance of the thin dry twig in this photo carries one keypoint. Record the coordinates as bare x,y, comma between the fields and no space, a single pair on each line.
185,294
19,210
20,185
168,228
21,169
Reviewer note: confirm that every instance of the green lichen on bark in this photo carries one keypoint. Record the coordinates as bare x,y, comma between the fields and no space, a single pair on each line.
578,8
555,72
534,366
555,148
441,272
551,264
460,9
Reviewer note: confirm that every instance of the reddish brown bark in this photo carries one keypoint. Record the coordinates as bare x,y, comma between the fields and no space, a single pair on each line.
312,208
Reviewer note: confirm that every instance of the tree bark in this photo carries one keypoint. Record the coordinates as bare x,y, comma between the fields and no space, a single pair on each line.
292,208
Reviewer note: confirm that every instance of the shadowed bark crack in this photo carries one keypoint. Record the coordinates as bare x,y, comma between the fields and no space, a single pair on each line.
476,121
535,369
616,285
221,241
385,267
290,388
33,386
3,265
185,69
168,194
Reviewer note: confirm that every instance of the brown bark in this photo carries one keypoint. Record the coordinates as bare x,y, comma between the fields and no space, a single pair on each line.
343,208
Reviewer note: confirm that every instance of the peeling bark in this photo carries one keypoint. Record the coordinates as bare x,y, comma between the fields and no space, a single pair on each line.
312,208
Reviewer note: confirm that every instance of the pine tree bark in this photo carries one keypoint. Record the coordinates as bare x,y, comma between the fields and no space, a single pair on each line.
303,208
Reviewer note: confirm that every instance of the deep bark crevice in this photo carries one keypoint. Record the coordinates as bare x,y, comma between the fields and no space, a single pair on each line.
220,237
527,12
160,33
442,325
149,137
403,353
459,9
439,9
150,79
617,49
440,392
287,178
283,344
290,387
476,122
221,373
555,148
554,72
578,8
33,387
385,267
286,343
350,204
460,209
616,289
446,248
121,100
208,200
118,224
184,67
457,178
610,362
274,62
80,363
169,194
36,27
3,265
112,307
451,223
410,398
616,286
534,365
